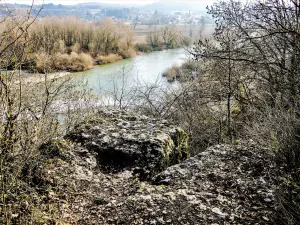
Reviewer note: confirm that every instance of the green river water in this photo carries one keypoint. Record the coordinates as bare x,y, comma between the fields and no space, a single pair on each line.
141,70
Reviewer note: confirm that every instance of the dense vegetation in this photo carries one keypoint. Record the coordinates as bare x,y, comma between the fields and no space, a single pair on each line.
74,45
247,88
167,38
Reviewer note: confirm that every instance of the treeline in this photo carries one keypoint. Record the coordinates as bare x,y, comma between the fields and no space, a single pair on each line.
75,45
72,44
164,38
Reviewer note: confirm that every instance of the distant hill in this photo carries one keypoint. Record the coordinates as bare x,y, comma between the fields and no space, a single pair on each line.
162,6
96,10
93,5
169,6
89,5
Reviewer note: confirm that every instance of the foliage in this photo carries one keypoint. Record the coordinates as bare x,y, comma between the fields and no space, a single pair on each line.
172,73
142,47
166,38
257,45
109,58
72,44
29,110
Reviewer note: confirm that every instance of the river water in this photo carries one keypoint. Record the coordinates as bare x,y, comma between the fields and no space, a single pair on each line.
141,70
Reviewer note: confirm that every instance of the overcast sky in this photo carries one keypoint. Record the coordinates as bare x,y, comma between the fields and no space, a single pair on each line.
72,2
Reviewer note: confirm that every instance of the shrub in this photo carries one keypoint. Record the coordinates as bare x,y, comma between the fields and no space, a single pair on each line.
87,60
172,73
128,53
60,46
76,47
186,41
189,65
73,61
287,141
108,59
42,62
142,47
278,129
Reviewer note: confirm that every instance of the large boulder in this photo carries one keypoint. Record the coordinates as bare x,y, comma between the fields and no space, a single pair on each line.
123,140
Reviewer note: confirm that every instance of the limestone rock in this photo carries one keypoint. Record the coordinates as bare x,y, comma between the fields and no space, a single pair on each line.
127,141
222,185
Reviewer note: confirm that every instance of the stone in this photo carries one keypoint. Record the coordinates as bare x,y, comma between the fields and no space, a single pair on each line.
144,179
219,212
123,140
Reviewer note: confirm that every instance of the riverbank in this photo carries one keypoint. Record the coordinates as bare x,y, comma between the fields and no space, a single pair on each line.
132,74
158,61
36,78
74,62
189,70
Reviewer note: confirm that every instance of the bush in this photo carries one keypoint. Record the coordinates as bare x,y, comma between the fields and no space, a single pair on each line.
73,61
188,107
186,41
172,73
142,47
286,141
189,65
42,62
289,199
128,53
108,59
86,60
278,129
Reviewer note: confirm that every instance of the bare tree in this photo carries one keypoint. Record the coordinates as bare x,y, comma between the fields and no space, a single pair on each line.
264,45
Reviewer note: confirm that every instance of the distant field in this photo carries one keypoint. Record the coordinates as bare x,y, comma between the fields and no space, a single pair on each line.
142,31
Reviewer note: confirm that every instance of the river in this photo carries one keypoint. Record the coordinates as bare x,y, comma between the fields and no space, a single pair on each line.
141,70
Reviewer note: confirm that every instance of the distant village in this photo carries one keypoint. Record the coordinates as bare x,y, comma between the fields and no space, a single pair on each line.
132,15
137,17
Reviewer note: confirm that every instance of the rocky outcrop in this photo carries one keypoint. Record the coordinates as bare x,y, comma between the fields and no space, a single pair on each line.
222,185
123,140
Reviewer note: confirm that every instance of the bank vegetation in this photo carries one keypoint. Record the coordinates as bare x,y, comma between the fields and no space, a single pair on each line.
71,44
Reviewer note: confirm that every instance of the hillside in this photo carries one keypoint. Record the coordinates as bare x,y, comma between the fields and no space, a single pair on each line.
169,6
124,168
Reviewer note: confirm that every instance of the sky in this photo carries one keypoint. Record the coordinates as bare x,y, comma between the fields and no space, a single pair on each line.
72,2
